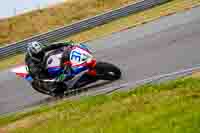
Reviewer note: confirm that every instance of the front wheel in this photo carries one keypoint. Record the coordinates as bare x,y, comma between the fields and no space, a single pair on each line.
107,71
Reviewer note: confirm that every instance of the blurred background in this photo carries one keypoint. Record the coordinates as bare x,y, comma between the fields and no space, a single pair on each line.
10,8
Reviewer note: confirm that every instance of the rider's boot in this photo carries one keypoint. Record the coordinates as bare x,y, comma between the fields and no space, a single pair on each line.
59,90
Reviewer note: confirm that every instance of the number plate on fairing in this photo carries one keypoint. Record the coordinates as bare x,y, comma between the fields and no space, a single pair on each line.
79,56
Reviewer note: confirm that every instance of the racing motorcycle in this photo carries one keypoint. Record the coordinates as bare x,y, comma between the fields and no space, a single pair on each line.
85,70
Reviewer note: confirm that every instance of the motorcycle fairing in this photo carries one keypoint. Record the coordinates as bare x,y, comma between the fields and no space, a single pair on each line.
22,72
79,57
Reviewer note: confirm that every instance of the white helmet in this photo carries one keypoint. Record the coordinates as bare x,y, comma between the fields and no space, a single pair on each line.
34,47
34,50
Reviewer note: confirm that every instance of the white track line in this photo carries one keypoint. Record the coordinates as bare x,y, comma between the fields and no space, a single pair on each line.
182,72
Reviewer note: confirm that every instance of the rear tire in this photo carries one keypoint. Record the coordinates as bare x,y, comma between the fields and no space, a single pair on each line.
44,88
37,86
107,71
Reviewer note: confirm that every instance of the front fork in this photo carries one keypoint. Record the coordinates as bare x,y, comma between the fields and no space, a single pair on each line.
92,64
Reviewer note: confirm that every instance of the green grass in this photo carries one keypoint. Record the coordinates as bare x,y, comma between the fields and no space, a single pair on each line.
168,107
39,21
11,61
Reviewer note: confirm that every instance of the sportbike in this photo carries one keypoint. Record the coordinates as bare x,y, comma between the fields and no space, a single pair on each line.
85,68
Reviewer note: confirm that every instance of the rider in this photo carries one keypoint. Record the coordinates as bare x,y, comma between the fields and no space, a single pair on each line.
36,62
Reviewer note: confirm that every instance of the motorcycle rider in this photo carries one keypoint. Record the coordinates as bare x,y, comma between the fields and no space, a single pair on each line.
36,62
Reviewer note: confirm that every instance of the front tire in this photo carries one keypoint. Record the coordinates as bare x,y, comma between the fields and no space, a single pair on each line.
107,71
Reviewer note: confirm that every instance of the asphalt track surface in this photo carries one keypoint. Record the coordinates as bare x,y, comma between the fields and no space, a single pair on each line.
165,45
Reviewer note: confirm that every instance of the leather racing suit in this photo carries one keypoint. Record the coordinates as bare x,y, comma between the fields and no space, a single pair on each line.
37,68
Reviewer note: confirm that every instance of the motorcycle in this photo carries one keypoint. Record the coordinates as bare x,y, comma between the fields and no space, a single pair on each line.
85,70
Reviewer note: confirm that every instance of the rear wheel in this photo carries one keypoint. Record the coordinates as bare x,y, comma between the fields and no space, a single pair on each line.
49,88
39,87
107,71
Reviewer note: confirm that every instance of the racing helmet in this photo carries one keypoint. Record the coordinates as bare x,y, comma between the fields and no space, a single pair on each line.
34,49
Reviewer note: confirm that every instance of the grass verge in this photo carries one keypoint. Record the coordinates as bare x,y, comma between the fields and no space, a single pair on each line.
167,107
134,20
40,21
11,61
120,24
